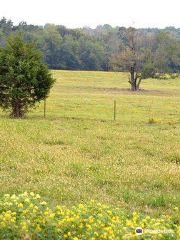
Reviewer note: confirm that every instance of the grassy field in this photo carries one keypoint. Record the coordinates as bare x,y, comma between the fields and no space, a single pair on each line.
79,153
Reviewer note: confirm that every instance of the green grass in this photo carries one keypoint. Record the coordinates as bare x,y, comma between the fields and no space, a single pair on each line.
79,153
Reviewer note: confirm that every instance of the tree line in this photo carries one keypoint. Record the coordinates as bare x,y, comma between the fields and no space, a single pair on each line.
86,49
144,53
63,48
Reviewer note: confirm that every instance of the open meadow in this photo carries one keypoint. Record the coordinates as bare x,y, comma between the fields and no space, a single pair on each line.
79,153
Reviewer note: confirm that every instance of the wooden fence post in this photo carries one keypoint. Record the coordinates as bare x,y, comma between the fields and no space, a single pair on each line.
114,110
44,108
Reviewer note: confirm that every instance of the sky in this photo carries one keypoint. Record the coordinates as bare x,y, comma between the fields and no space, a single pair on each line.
79,13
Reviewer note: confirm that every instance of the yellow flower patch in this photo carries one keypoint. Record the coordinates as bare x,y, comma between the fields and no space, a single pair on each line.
27,216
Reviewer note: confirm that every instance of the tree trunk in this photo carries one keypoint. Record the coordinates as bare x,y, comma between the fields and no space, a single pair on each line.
135,84
16,111
132,80
138,85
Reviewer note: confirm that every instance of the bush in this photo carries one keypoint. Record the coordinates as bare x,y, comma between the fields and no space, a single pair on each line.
152,120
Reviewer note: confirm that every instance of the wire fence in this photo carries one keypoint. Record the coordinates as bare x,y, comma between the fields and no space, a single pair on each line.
152,112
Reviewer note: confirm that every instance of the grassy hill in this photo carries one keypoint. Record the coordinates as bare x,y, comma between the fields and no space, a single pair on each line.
79,153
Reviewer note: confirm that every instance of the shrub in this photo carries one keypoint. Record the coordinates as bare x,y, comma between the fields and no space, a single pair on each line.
152,120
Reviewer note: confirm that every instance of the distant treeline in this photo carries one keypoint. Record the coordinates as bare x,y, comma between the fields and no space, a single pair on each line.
78,49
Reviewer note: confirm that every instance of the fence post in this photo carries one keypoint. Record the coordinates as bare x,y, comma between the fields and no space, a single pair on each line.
114,110
44,108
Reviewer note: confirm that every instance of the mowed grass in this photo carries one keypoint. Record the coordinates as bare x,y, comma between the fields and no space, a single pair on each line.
79,153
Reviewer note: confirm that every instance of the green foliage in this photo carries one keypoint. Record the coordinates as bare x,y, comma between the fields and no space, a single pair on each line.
104,48
146,56
144,53
92,54
24,79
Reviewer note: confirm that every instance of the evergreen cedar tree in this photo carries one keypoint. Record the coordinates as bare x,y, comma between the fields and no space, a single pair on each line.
24,78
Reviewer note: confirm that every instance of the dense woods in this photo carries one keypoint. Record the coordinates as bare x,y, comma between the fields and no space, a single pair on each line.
99,49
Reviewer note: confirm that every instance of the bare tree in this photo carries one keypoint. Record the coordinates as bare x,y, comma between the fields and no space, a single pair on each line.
145,56
129,56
